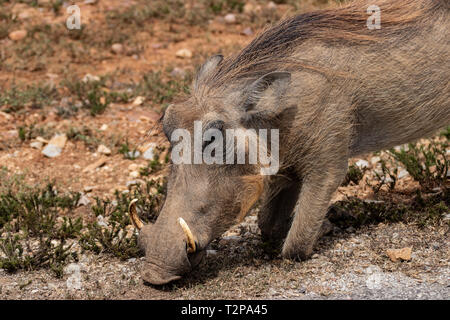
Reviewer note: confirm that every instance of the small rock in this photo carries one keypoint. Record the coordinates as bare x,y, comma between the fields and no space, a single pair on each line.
184,53
90,1
133,182
101,221
247,31
375,160
362,164
18,35
117,48
84,201
403,254
51,151
4,116
211,252
272,5
88,188
133,167
402,174
90,78
95,165
138,101
149,153
104,150
230,18
134,174
74,281
58,140
41,140
36,145
133,154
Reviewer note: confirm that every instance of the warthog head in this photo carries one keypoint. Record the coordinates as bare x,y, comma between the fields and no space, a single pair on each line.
204,200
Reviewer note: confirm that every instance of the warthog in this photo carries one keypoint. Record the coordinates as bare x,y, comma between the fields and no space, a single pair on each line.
334,89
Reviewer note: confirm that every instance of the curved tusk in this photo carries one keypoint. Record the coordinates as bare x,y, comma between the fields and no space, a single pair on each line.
137,223
191,246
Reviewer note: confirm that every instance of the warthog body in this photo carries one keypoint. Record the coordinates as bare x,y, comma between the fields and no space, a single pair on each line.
334,89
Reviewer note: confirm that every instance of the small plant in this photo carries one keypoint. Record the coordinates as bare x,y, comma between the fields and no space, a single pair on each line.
159,91
34,96
128,152
385,177
91,94
117,237
427,164
33,236
354,175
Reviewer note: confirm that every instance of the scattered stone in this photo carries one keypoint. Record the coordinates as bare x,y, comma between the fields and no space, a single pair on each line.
133,167
42,140
90,1
138,100
74,281
211,252
36,145
403,254
247,31
403,147
18,35
375,160
402,174
4,116
95,165
149,153
132,183
90,78
51,151
104,127
89,188
84,201
446,217
272,5
250,8
58,140
362,164
134,174
184,53
133,154
104,150
117,48
230,18
101,221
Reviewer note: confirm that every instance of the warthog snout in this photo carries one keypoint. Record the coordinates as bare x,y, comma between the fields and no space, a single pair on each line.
171,249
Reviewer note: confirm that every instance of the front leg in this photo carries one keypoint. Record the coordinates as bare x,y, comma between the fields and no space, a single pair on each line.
310,210
275,215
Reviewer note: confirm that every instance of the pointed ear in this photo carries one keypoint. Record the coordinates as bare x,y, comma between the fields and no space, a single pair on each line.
206,69
277,81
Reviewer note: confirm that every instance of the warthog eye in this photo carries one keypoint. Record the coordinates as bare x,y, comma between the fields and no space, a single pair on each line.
216,124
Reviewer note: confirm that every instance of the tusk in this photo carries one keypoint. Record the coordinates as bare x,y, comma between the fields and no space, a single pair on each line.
189,237
137,223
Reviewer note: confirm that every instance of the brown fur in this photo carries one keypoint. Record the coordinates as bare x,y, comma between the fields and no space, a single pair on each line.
334,89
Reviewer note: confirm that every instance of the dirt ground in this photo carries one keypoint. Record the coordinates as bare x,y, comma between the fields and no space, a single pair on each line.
348,263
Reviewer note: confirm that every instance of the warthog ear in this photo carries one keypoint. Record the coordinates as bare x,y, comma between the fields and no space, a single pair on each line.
270,87
206,69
